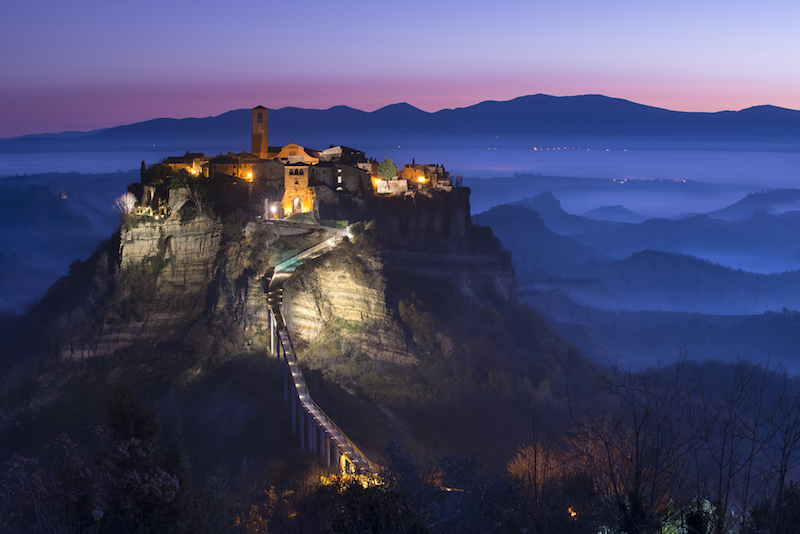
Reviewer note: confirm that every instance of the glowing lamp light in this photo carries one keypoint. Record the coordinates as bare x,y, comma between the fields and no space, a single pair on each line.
421,179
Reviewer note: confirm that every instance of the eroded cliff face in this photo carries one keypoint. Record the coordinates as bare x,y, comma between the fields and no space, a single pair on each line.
188,249
431,236
341,297
340,300
199,281
179,281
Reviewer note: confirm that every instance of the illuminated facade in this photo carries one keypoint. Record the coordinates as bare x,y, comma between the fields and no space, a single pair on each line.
328,183
298,196
425,176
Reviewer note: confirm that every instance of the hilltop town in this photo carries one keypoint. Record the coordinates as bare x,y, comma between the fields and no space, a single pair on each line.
281,181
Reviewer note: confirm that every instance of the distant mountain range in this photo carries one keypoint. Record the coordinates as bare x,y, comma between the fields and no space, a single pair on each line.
534,117
650,266
626,289
643,338
781,202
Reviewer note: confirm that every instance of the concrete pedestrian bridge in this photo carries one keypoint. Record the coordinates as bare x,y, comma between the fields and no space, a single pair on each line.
317,432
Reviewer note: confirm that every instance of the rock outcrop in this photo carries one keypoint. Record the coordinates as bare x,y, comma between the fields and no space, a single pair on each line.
180,280
174,275
431,236
187,248
329,294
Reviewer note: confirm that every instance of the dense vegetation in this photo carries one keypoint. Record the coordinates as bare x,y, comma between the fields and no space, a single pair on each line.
640,453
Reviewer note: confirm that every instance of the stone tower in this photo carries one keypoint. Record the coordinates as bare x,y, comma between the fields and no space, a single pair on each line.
260,146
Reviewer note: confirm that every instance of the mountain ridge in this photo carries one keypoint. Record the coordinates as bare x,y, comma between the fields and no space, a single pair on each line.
593,115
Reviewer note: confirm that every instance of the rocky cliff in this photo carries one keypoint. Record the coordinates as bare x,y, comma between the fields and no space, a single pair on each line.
187,248
179,280
342,295
411,325
431,236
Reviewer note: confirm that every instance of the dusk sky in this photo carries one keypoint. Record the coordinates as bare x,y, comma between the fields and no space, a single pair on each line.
90,64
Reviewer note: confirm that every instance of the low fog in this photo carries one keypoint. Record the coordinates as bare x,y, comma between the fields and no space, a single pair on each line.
630,250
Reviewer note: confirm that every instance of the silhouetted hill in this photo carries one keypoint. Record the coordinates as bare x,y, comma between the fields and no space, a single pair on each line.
773,202
790,216
643,338
560,221
763,243
659,281
616,213
647,196
590,116
537,251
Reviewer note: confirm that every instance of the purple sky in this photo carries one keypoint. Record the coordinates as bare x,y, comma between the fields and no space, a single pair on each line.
90,64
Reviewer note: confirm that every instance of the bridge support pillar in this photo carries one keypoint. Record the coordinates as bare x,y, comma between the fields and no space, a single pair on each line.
337,459
272,334
302,430
278,357
311,437
294,415
326,451
285,381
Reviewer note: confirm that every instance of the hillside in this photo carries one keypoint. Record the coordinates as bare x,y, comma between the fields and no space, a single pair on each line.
538,252
773,202
618,213
399,330
762,243
561,222
644,337
660,281
653,304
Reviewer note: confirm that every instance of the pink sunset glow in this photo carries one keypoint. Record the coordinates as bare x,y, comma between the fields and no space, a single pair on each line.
94,65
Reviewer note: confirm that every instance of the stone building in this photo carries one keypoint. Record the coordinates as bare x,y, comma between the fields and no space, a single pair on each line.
193,162
260,147
344,155
333,183
240,165
423,175
323,188
294,153
298,196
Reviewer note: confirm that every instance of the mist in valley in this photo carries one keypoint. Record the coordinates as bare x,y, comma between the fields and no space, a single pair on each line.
652,272
627,227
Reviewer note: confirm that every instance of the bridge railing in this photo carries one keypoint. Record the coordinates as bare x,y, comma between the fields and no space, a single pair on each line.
343,444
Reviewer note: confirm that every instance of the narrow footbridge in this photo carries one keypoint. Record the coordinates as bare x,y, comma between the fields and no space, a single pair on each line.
318,432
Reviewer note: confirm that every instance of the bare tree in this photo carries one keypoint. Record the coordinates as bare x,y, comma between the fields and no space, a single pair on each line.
630,438
782,443
727,421
125,203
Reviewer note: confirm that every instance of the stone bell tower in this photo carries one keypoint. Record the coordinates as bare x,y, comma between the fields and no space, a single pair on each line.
260,146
